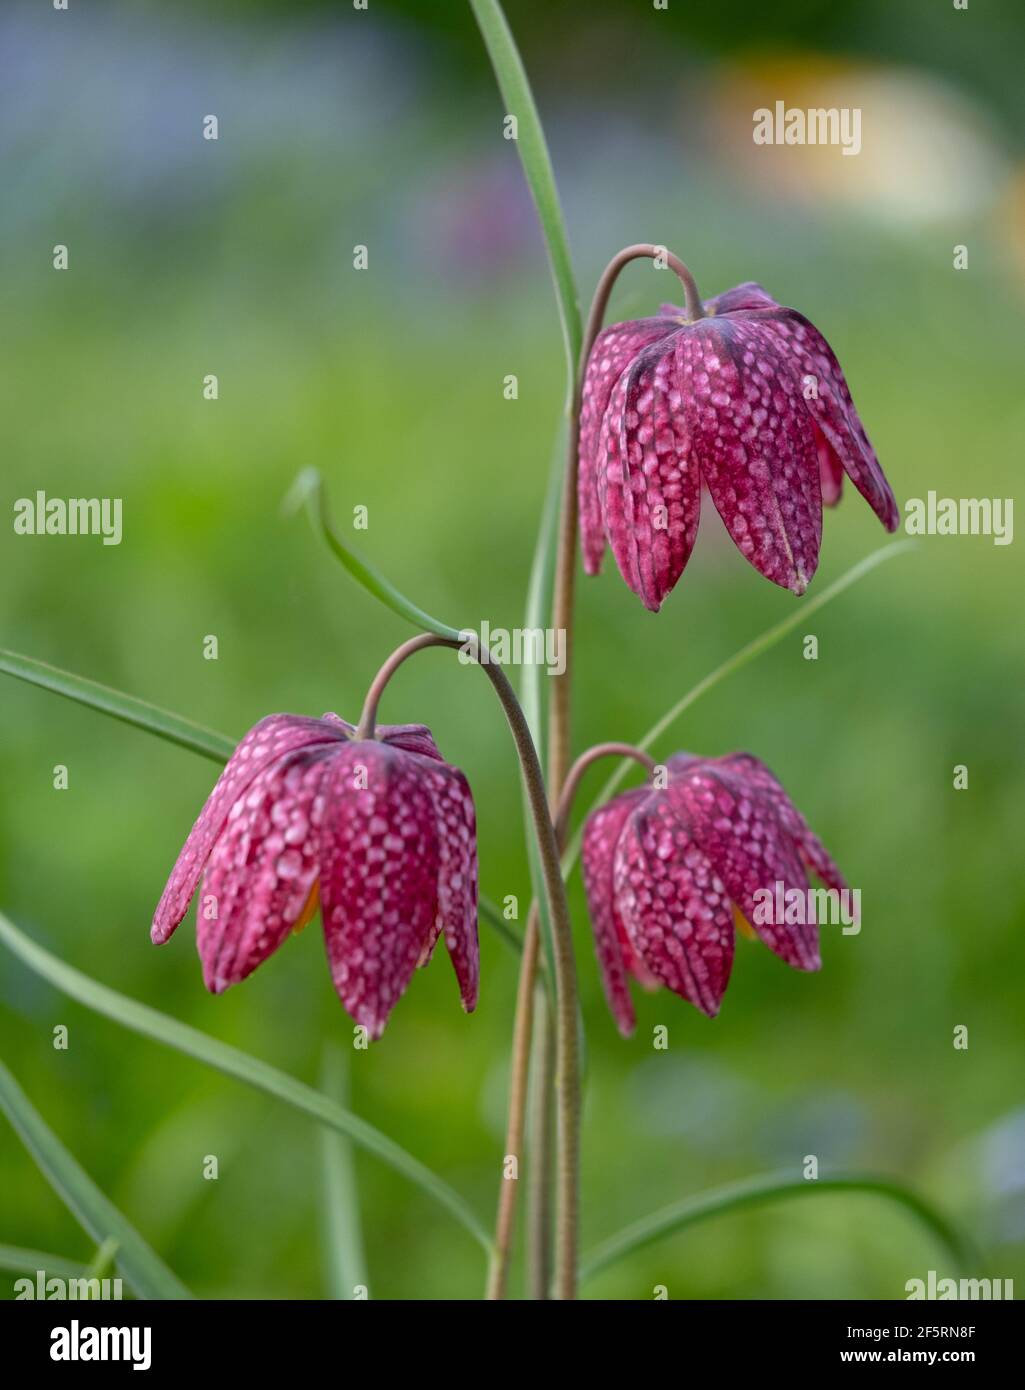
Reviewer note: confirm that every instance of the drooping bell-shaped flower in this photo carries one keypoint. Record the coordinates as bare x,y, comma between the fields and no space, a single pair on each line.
381,830
748,401
670,872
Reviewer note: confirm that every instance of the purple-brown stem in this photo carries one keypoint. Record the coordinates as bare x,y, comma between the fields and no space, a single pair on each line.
518,1089
559,737
566,1041
565,565
498,1274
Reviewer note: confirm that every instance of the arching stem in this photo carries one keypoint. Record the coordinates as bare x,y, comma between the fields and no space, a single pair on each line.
565,564
566,1042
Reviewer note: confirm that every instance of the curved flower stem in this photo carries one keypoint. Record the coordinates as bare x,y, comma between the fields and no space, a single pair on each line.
576,775
368,717
518,1089
566,1041
565,564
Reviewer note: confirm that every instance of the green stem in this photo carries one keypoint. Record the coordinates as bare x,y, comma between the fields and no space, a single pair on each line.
537,168
539,1177
519,1084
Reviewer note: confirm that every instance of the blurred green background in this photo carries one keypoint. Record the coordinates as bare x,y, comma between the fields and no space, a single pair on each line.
190,257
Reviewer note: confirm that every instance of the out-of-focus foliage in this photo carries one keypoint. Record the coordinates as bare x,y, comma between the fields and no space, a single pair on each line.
234,257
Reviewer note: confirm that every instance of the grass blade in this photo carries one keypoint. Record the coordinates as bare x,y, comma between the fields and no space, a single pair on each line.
491,913
346,1258
126,708
308,491
736,662
141,1267
21,1261
343,1229
537,165
140,1018
774,1187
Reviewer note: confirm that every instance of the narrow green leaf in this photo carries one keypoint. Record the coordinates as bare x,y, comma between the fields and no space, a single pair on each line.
126,708
104,1259
144,1270
217,747
539,589
21,1261
736,662
343,1228
537,165
308,491
773,1187
140,1018
491,913
538,600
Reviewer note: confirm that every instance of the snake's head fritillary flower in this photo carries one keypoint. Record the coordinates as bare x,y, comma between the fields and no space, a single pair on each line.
670,872
748,401
380,831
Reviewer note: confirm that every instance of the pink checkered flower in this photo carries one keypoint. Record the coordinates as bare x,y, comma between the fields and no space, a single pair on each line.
670,872
382,831
749,402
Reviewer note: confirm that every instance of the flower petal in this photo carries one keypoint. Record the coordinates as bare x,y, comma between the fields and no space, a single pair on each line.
833,409
414,738
262,746
614,349
379,876
661,476
457,876
749,295
615,499
830,470
810,847
336,719
752,438
674,907
262,869
615,954
736,825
